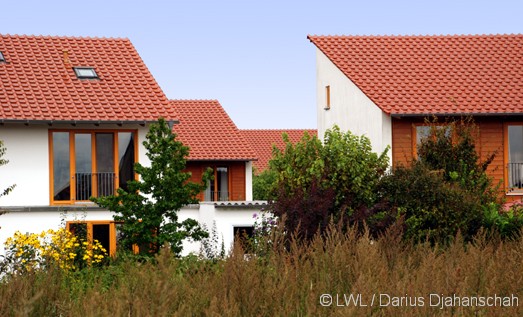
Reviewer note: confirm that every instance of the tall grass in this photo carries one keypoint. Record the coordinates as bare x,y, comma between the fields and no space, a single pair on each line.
288,281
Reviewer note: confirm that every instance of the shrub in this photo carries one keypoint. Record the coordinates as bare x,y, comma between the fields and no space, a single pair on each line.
318,181
30,251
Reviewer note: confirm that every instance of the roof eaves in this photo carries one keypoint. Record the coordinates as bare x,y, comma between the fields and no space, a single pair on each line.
460,114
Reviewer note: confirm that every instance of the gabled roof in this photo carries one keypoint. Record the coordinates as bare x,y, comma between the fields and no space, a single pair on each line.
453,74
209,132
38,83
262,142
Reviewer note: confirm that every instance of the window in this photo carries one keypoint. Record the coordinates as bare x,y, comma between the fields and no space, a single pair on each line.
242,235
424,131
105,232
218,188
515,157
90,163
85,72
2,58
327,97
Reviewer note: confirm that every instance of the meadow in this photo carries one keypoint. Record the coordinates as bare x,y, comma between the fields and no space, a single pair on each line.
342,273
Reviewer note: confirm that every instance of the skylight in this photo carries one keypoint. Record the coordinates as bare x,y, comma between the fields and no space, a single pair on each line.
85,72
2,58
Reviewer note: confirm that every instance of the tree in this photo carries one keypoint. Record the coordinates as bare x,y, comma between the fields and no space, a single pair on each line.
149,207
4,162
262,184
445,190
318,181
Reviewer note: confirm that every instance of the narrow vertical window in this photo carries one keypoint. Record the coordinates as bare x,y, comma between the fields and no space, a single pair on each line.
105,163
327,97
218,188
125,158
515,157
61,167
83,165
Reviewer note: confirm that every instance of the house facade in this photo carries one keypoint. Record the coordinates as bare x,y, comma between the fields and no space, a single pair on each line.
74,113
385,87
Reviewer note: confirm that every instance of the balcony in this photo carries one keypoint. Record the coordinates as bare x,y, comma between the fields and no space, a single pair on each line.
94,184
216,195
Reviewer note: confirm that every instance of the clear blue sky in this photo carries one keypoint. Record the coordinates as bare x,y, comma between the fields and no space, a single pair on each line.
253,56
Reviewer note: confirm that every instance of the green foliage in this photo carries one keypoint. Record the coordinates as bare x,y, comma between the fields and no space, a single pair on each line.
148,209
3,161
316,181
508,224
444,191
262,184
431,207
453,150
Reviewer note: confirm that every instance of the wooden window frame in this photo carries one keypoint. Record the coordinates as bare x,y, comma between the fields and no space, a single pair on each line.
72,161
327,97
508,191
215,180
89,223
414,134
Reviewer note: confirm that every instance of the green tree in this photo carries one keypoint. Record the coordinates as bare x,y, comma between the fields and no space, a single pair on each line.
316,181
262,184
149,208
445,190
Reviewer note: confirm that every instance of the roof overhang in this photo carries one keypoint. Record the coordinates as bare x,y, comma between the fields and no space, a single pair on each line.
77,122
478,114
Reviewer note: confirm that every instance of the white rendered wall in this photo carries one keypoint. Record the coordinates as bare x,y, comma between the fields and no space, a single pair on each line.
224,218
350,108
38,221
248,181
28,154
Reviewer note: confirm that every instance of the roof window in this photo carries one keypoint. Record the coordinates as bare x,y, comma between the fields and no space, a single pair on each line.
2,58
85,72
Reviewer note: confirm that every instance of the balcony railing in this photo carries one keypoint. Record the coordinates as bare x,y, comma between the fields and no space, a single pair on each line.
216,196
515,175
84,185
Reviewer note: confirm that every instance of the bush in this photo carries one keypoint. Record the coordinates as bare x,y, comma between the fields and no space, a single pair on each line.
317,182
445,190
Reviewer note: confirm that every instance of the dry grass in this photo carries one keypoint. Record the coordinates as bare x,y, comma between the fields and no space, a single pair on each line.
287,282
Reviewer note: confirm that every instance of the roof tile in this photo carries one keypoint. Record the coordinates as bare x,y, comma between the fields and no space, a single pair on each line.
209,132
451,74
37,81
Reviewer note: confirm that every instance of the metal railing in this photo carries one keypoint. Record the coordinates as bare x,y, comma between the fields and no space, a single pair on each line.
515,175
216,196
84,185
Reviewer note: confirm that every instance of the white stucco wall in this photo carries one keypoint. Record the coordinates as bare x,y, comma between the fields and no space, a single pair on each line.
28,154
248,181
350,108
33,221
224,218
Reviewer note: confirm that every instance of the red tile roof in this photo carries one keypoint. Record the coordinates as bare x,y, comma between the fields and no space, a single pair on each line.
209,132
37,81
262,142
453,74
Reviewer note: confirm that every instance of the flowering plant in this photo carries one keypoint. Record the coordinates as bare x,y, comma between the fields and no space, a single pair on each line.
31,251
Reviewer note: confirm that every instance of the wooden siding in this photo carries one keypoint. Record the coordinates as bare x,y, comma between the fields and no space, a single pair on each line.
236,171
490,139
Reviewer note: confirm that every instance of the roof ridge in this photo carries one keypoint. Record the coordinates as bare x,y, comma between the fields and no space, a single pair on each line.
293,129
68,37
411,35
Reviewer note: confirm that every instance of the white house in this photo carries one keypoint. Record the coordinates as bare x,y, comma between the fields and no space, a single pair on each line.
386,86
73,115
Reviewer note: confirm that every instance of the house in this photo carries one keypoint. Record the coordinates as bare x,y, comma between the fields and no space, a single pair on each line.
263,141
74,112
215,142
385,87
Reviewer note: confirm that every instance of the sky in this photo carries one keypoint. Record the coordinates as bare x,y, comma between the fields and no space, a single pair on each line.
252,56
